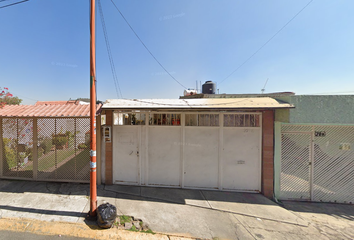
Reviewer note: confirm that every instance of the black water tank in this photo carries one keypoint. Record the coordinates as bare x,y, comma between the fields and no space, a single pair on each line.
209,87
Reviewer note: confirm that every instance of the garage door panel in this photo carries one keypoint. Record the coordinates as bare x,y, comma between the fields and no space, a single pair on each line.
164,156
201,157
241,159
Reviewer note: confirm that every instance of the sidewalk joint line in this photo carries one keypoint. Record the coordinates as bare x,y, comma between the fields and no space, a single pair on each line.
205,199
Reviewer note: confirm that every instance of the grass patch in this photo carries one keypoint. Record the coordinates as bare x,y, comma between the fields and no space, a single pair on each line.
124,219
48,160
148,231
133,228
78,162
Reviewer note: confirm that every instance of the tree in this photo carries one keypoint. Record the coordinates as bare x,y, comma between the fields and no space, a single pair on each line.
6,98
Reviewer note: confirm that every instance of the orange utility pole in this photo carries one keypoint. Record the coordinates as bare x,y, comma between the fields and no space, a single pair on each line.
93,186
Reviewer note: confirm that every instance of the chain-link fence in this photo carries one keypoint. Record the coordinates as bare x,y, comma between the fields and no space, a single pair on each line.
317,163
54,149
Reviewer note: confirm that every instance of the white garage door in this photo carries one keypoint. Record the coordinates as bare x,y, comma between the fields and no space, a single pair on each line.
191,150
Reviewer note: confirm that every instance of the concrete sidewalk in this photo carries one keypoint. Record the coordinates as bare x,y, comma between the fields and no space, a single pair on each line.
175,213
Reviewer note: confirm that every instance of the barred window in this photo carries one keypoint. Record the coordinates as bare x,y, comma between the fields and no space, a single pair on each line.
129,118
241,120
202,120
165,119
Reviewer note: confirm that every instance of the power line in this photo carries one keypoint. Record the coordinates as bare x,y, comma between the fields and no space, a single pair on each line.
268,40
115,78
146,46
12,3
179,105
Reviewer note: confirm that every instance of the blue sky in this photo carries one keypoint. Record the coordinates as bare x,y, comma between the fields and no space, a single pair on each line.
44,47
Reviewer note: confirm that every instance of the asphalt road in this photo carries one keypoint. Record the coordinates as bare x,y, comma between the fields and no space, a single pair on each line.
31,236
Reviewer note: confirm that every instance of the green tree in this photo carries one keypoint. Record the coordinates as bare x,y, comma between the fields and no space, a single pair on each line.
6,98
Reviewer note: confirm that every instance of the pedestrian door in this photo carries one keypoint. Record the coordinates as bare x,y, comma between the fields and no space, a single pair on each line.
126,155
295,179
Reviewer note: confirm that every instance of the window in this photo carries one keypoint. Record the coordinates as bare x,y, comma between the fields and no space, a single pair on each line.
202,119
241,120
129,118
165,119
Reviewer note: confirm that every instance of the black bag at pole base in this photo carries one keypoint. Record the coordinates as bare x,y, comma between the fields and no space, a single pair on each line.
106,215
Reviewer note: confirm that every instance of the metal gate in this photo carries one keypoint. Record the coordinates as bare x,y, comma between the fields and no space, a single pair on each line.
317,163
50,149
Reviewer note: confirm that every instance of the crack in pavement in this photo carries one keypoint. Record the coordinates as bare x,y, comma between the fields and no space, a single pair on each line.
233,215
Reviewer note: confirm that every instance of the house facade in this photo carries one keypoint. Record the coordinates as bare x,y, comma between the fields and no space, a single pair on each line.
219,144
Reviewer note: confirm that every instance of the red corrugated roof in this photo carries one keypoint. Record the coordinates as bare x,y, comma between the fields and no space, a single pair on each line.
49,109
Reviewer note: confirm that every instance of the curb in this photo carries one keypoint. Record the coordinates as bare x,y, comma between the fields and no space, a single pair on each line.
75,230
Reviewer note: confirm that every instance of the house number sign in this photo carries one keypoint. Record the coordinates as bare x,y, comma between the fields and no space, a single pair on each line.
320,133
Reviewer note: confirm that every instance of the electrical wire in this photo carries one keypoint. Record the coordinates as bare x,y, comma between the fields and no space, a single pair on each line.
179,105
141,41
115,78
270,39
13,3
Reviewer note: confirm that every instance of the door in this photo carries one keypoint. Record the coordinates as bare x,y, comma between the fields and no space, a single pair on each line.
126,155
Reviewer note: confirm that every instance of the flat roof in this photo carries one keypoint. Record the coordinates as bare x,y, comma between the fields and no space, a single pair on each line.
200,103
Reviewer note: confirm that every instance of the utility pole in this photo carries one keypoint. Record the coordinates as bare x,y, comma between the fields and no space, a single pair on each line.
93,186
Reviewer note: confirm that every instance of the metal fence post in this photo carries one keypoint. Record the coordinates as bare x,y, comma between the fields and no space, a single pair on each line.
35,149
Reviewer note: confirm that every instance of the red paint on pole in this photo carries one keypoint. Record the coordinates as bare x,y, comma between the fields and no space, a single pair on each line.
93,186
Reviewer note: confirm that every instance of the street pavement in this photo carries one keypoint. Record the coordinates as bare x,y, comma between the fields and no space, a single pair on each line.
60,208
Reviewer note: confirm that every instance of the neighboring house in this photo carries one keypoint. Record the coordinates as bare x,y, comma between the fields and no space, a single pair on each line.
223,144
45,141
314,157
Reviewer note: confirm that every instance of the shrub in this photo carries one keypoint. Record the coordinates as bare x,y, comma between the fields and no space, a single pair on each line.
29,153
40,152
59,140
46,145
82,146
9,153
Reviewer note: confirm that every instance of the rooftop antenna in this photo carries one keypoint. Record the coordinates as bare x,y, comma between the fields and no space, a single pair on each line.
263,89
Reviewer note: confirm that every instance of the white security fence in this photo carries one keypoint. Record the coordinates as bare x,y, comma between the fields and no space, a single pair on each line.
314,162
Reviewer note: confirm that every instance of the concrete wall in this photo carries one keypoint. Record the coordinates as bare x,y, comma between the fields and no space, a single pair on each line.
322,109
